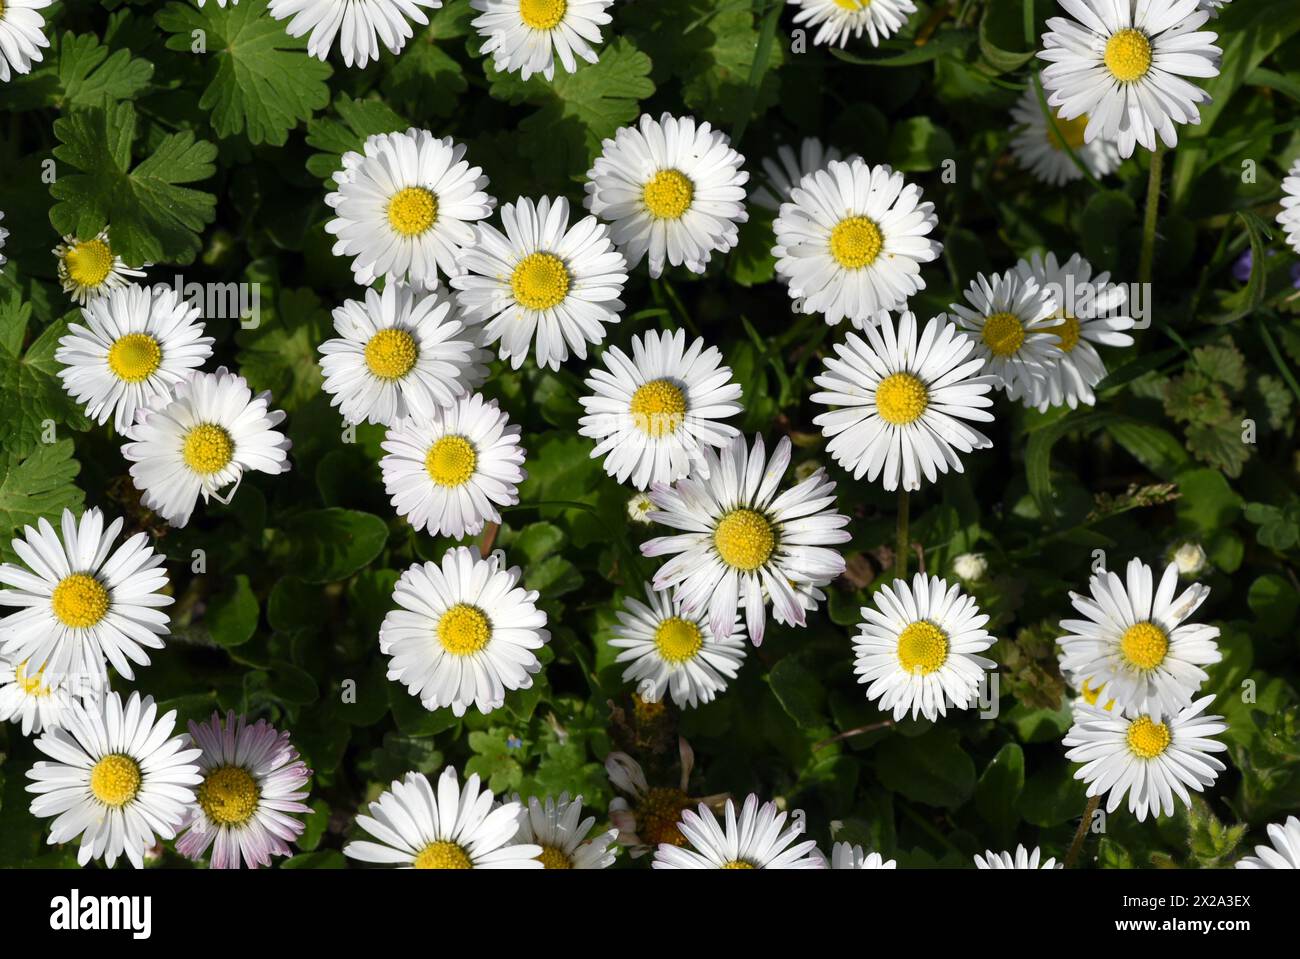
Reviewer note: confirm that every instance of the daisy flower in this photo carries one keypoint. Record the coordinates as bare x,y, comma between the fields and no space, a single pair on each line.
669,650
786,171
647,816
851,240
1123,63
201,441
1091,310
253,781
672,189
1022,859
899,403
453,828
1284,853
405,207
639,508
449,475
542,283
847,856
82,601
743,542
138,343
28,698
89,268
918,648
558,828
21,37
653,413
359,24
756,839
1151,759
1013,322
118,778
1041,150
526,35
400,353
837,20
1288,217
1137,644
465,633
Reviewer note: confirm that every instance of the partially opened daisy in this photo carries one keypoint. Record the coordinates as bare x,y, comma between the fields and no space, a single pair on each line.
851,240
89,268
81,601
672,189
22,35
847,856
399,353
449,474
360,25
1022,859
837,20
201,442
654,412
1013,322
757,838
31,700
1283,854
251,795
784,172
557,826
667,650
119,779
744,544
918,650
1123,63
527,35
404,207
647,816
465,632
418,825
1288,218
1135,643
542,285
137,344
1150,758
899,402
1041,147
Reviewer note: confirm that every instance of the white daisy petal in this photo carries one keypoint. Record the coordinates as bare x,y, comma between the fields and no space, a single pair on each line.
754,839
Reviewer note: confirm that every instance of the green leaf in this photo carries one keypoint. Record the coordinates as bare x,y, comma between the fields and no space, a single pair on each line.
800,693
942,44
358,120
152,218
280,354
1102,224
998,791
332,544
232,614
919,144
1001,34
1274,601
34,485
933,768
1038,454
1279,526
79,71
1255,285
34,398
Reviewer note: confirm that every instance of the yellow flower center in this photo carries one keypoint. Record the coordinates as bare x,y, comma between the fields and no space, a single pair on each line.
658,407
901,399
554,858
1147,739
30,685
391,353
668,195
678,640
115,780
739,864
1003,334
853,4
134,358
451,461
89,263
208,449
657,815
1128,55
744,539
79,601
856,242
464,629
229,796
922,647
412,210
542,14
442,855
1071,131
540,281
1067,334
1144,645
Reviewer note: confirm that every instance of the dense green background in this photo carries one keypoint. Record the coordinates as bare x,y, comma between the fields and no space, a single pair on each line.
217,163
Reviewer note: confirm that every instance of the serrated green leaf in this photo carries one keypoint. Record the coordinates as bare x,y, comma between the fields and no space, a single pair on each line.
79,71
34,398
35,484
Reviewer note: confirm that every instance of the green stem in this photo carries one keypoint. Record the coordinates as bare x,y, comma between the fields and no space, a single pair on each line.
1152,211
903,542
1081,833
